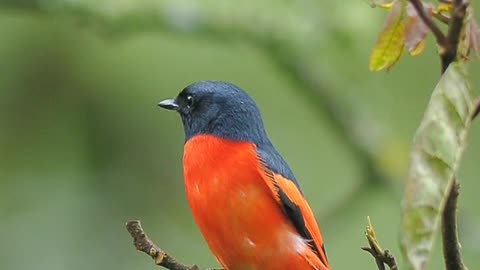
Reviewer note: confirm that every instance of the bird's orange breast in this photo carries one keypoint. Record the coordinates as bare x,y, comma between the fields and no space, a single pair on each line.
236,211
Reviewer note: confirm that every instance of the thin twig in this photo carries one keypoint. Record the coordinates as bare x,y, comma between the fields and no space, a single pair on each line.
382,256
451,244
441,38
441,17
144,244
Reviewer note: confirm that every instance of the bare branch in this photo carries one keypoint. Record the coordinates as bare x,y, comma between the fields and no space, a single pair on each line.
381,256
441,17
451,244
144,244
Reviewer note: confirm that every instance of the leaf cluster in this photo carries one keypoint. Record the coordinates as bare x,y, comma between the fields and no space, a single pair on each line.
404,29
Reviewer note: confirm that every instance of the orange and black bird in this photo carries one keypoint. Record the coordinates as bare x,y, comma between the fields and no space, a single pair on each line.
242,194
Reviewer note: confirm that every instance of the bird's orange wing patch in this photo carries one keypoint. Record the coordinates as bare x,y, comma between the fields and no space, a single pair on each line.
298,211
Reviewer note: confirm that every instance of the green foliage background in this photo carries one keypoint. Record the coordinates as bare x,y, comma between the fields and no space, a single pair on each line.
83,147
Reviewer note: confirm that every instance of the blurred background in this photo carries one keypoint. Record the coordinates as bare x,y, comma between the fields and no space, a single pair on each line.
84,148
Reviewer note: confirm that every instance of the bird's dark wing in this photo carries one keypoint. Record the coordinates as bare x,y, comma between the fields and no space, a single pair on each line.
282,182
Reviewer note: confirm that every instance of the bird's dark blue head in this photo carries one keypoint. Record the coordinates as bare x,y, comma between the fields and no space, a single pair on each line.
225,110
218,108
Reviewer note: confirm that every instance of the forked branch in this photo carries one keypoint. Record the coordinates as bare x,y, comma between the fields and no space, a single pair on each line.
382,256
448,44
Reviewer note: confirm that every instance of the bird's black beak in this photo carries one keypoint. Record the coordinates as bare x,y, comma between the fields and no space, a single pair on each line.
169,104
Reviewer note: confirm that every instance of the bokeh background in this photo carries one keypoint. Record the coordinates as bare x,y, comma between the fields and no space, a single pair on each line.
84,148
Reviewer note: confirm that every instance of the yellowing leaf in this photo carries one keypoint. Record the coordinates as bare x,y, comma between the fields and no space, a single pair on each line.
390,42
419,47
382,4
444,8
434,161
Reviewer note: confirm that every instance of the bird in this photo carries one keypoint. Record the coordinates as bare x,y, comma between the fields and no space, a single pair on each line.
242,194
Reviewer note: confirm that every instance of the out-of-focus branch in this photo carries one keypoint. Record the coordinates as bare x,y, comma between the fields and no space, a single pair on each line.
451,244
342,116
382,257
147,246
349,121
280,42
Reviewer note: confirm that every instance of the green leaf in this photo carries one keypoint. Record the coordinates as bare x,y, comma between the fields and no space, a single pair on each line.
390,42
434,161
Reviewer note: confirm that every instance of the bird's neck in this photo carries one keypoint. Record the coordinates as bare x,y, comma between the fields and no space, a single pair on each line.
232,126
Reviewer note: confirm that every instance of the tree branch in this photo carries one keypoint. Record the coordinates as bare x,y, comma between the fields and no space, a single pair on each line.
451,244
448,53
448,44
144,244
382,257
454,31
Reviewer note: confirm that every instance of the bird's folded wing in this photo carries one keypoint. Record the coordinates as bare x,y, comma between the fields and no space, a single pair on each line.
296,209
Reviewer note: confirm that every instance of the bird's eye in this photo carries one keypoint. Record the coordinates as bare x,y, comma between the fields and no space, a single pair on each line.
189,101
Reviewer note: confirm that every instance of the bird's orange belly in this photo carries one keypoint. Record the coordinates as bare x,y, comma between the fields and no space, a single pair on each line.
238,215
245,228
